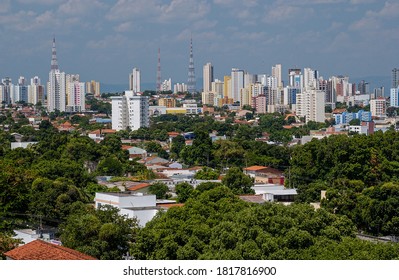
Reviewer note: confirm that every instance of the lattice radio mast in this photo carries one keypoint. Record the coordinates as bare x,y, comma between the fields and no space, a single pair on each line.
191,70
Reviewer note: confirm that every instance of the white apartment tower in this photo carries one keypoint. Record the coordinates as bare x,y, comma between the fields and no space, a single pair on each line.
131,111
207,77
56,91
276,72
237,83
309,79
135,81
310,104
166,85
35,91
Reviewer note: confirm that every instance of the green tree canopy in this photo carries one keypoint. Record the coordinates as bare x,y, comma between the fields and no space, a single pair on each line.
159,189
218,225
184,191
238,182
101,233
206,173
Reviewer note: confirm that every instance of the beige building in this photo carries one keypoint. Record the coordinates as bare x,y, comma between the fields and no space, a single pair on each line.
310,104
167,102
93,87
378,107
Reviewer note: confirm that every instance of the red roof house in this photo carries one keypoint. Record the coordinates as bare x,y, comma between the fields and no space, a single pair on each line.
41,250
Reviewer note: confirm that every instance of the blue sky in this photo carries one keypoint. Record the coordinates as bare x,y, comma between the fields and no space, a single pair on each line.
104,40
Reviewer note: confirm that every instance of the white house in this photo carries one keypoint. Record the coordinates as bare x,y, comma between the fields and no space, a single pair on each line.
134,205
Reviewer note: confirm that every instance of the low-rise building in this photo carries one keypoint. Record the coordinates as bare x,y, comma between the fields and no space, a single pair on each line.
134,205
265,174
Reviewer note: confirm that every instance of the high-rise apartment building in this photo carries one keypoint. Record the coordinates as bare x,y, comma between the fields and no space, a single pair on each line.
394,100
295,78
179,87
249,79
379,92
208,98
245,96
130,111
76,96
135,80
93,87
167,85
19,93
276,72
56,86
310,104
260,103
207,77
309,79
237,83
35,91
227,87
395,78
75,93
6,88
218,87
378,107
363,87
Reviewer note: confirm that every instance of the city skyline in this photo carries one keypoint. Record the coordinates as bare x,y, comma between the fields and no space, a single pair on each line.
100,40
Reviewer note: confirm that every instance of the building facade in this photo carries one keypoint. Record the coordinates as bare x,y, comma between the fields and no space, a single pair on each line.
130,111
310,104
56,86
207,77
135,81
237,83
378,107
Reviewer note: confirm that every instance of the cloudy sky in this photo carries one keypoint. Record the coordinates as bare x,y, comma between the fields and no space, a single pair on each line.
104,40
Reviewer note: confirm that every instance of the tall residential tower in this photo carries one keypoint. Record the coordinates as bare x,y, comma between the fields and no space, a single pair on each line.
207,77
135,80
56,91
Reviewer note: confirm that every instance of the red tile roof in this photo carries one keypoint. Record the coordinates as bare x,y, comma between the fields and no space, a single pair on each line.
255,168
103,131
252,198
41,250
170,205
138,187
126,147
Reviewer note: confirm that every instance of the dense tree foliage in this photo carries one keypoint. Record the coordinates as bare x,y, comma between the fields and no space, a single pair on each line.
238,182
184,191
54,180
218,225
372,159
206,173
7,243
159,189
359,173
45,179
101,233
